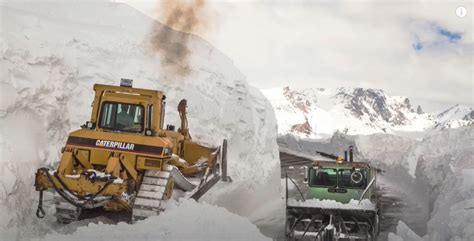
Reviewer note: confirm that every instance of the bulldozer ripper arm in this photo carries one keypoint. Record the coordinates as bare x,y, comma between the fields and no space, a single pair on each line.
80,185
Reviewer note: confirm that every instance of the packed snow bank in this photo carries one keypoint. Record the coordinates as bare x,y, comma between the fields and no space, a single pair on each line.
186,220
51,55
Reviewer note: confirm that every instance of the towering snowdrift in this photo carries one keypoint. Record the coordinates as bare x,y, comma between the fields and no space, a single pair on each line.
319,112
53,53
445,159
443,177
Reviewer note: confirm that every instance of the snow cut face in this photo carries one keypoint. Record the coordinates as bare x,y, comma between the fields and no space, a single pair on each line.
64,48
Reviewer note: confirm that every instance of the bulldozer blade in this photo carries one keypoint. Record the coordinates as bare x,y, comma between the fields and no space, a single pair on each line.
180,181
205,187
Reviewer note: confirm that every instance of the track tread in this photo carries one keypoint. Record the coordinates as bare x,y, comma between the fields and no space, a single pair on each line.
151,194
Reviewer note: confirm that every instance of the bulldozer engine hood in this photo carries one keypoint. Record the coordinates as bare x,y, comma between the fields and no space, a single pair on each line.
120,142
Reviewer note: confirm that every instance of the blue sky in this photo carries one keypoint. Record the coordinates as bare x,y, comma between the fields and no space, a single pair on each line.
451,36
444,37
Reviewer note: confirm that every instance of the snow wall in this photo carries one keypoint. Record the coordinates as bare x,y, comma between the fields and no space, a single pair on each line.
442,169
52,54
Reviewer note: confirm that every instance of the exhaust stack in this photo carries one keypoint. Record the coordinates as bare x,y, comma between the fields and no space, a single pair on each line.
351,154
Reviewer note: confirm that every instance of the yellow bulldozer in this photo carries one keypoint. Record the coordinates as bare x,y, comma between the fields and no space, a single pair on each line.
124,159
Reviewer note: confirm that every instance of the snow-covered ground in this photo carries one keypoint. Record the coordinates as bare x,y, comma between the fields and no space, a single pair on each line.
185,220
51,55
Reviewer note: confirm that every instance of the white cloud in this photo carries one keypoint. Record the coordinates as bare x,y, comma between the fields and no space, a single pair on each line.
350,43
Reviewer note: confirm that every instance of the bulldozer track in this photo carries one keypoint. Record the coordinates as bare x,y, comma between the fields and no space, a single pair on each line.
153,191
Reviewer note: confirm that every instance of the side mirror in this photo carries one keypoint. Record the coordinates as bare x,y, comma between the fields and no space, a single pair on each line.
305,179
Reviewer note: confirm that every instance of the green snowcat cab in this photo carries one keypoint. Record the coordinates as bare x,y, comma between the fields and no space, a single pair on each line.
337,201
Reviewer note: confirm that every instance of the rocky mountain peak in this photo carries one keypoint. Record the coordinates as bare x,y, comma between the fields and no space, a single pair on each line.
419,111
376,104
318,112
297,99
469,116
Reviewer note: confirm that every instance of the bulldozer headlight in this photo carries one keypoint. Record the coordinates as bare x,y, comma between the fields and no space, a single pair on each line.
148,132
90,125
126,82
167,151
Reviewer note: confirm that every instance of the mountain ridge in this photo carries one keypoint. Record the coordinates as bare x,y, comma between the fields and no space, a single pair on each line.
319,112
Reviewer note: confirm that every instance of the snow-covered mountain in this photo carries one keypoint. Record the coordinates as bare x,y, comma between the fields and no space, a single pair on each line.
319,112
454,117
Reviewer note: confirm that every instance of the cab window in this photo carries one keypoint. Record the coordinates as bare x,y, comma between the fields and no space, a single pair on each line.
121,117
324,177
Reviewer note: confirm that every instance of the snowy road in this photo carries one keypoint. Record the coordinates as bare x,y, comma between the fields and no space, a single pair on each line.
395,204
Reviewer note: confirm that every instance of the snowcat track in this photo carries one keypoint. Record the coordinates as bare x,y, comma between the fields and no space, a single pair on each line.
65,211
151,194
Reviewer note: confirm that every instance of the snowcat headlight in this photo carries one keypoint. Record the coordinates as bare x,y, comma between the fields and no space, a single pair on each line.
356,177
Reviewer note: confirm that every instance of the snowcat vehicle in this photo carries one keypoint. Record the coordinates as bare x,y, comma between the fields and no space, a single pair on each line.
336,201
123,159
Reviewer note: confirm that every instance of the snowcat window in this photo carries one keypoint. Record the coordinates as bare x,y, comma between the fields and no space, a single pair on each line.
324,177
122,117
349,178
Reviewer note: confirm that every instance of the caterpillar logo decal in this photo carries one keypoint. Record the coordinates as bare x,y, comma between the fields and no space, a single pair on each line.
115,144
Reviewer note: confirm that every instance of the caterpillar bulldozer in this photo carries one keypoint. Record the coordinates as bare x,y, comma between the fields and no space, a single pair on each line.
124,160
336,200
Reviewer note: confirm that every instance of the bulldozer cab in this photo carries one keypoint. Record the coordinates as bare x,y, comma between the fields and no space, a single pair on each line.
122,117
125,109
